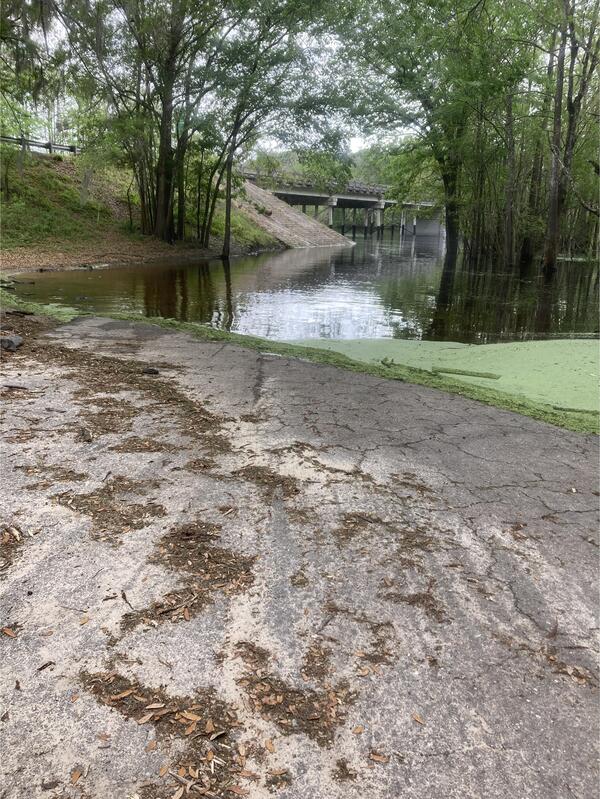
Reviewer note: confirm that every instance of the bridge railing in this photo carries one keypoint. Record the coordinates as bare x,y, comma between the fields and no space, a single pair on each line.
297,181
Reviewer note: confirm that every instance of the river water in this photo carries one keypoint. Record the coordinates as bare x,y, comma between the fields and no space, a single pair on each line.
388,288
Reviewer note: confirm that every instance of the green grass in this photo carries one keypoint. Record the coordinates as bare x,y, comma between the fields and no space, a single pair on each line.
44,205
579,421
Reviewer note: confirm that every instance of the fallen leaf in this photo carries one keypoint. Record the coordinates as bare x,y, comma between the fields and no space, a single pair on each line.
84,620
378,758
145,719
9,631
269,745
238,790
192,728
358,729
74,697
209,755
249,775
75,775
178,793
186,614
210,727
163,770
181,771
277,772
151,746
417,718
154,706
103,736
122,695
364,672
191,716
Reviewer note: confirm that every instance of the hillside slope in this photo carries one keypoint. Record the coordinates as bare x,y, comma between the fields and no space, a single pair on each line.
50,220
286,223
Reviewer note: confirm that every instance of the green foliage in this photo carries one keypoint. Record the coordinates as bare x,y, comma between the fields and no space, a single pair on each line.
44,203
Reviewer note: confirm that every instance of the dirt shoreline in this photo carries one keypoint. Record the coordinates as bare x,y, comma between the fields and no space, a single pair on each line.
129,253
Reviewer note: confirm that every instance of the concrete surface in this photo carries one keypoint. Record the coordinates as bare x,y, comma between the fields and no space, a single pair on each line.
385,591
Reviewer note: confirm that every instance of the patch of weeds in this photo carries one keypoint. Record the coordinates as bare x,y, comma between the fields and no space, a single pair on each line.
314,713
190,549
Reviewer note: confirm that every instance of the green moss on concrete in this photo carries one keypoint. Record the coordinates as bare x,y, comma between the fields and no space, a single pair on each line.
578,421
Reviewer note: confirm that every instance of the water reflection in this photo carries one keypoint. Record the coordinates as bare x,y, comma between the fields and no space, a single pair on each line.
378,289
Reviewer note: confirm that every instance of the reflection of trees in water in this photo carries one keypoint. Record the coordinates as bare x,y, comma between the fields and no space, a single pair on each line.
478,306
185,293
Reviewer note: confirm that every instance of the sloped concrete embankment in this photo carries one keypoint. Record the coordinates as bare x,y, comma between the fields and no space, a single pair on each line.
286,223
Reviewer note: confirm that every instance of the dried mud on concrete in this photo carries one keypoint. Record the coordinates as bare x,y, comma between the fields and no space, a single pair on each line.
254,576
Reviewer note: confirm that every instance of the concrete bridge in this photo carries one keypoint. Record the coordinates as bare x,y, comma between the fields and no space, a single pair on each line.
367,202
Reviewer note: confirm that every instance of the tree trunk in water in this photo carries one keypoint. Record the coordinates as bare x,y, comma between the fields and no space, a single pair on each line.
554,202
227,229
450,180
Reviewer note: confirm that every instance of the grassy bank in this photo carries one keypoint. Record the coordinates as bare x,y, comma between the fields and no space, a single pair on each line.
55,208
571,419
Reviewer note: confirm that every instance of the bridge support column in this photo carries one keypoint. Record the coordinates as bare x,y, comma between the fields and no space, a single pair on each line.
316,214
402,223
379,209
331,203
415,225
343,221
303,209
366,222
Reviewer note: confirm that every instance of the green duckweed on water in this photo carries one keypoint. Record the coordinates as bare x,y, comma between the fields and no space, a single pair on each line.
384,361
563,373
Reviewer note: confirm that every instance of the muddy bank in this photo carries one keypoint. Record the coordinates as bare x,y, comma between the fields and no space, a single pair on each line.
234,573
112,250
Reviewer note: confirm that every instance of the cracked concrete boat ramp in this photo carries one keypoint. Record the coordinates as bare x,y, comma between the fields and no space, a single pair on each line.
248,575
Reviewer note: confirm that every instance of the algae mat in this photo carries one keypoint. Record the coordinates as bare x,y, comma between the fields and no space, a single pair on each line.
563,372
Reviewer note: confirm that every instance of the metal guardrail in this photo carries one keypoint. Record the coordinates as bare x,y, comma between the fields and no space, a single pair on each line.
49,145
290,180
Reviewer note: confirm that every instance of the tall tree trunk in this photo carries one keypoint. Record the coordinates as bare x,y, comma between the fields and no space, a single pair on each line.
199,192
227,228
554,202
529,244
509,189
163,225
450,181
